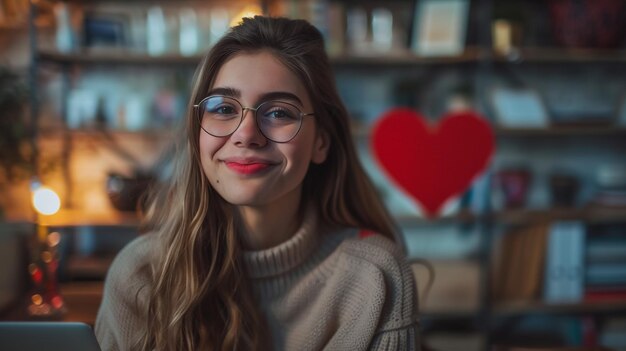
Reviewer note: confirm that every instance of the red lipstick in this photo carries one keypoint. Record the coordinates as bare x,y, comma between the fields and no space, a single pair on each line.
247,168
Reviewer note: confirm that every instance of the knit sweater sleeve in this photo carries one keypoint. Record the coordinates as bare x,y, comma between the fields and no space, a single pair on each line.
398,325
122,310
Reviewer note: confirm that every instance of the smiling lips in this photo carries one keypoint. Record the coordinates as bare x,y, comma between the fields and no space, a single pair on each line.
247,167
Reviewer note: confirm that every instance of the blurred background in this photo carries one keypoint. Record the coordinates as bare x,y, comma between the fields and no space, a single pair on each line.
533,254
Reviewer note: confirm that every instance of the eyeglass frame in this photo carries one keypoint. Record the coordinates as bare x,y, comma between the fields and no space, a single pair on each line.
243,114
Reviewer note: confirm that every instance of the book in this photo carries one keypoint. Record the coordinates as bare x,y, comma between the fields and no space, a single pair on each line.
606,273
605,294
520,264
606,251
606,243
564,279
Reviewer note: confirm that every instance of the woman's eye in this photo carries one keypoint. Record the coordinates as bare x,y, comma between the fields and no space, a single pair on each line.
223,110
280,114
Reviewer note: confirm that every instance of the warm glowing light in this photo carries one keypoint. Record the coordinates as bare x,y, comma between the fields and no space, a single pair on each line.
32,268
37,299
248,11
46,256
57,302
53,239
46,201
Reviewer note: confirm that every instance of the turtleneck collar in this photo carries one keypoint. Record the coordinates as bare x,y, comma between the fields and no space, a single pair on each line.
287,255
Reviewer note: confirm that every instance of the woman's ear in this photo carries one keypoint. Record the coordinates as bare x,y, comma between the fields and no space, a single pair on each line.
320,149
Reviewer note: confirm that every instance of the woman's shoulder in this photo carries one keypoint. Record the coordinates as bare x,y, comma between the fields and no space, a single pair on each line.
374,248
377,256
134,260
126,289
374,255
138,250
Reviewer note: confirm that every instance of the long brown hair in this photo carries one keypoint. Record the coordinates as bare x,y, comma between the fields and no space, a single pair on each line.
200,297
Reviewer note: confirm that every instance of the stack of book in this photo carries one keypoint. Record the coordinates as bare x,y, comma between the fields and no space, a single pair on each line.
562,262
605,269
611,192
610,198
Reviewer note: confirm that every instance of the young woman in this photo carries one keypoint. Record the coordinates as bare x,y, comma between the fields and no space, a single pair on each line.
256,242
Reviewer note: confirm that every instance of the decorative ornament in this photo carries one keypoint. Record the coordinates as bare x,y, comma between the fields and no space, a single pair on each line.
432,163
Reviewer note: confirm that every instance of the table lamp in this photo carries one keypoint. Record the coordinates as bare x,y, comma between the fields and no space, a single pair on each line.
45,299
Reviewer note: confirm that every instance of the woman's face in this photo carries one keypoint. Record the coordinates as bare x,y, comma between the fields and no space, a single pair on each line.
246,168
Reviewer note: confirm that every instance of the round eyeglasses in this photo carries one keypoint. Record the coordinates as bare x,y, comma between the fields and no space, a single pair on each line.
278,121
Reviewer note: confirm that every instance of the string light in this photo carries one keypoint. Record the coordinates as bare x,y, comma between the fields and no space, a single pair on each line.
46,201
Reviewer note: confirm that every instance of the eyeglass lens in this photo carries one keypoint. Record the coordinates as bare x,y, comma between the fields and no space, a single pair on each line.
278,121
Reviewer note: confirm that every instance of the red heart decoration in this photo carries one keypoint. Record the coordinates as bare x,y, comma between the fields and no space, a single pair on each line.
432,163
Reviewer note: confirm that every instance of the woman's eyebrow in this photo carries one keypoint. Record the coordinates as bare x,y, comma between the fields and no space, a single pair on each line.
230,92
280,95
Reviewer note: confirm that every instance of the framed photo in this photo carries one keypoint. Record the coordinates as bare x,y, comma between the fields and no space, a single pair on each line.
105,30
440,27
519,108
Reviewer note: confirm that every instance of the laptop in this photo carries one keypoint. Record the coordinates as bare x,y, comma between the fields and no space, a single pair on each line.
49,336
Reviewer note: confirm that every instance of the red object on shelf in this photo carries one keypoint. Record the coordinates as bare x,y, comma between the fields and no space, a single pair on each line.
433,164
514,184
605,295
589,332
588,23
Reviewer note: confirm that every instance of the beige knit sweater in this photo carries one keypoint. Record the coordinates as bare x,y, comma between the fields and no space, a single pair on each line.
320,290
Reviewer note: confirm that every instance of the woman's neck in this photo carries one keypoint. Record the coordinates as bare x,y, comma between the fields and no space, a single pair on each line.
268,226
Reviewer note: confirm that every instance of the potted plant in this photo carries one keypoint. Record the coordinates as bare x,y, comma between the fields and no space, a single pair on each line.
15,132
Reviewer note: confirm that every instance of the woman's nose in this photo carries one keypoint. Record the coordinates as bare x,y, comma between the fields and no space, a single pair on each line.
248,133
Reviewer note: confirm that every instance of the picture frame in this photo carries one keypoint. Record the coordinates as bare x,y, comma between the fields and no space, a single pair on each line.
519,108
440,27
105,30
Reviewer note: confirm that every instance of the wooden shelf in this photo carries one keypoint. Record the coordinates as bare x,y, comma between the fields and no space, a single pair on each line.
76,218
464,216
589,215
127,57
361,132
116,56
557,131
407,58
8,28
160,134
527,308
82,300
563,55
404,58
